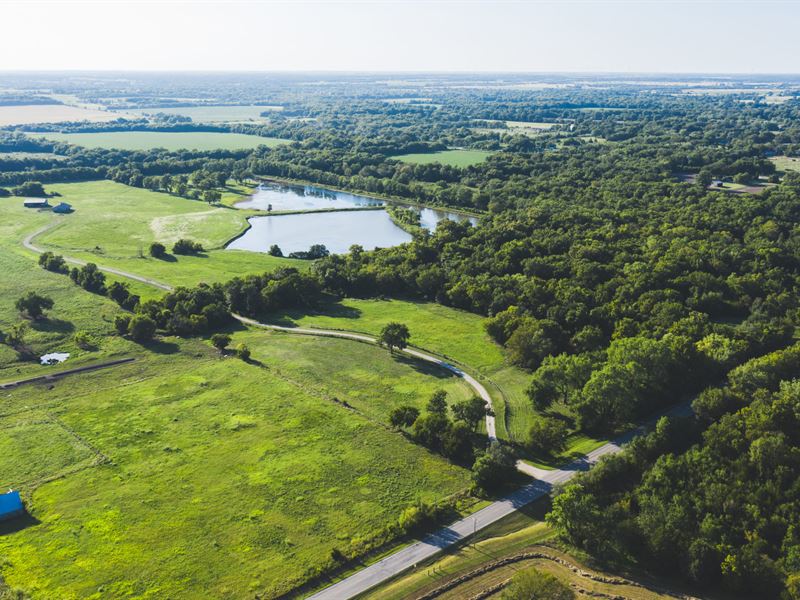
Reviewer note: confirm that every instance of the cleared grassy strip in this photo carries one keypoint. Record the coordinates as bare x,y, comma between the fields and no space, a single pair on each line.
455,158
145,140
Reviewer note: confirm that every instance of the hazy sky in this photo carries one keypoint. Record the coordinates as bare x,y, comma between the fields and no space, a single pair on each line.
434,35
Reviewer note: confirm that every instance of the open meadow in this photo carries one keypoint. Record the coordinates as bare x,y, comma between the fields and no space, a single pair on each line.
454,158
114,224
169,140
455,335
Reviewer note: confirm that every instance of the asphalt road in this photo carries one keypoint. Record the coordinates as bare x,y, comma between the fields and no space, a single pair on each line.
434,543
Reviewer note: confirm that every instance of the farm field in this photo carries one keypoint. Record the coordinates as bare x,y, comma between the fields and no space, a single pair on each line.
146,140
51,113
113,222
30,155
210,114
455,158
246,482
246,475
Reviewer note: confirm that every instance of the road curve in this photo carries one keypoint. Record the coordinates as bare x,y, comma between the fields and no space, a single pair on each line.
471,381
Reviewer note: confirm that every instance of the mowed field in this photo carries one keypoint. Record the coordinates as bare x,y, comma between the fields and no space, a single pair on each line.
458,336
455,158
169,140
51,113
190,474
211,114
113,223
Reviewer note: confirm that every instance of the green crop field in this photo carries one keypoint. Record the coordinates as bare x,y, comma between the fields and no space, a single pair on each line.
112,223
186,473
145,140
211,114
455,158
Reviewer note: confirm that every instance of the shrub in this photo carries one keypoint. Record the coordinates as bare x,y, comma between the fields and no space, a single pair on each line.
158,250
85,341
34,305
243,352
220,341
275,250
184,246
53,262
403,416
121,324
547,435
141,328
90,278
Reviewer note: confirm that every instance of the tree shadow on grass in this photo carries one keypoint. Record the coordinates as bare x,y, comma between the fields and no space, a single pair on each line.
52,325
168,258
423,366
162,347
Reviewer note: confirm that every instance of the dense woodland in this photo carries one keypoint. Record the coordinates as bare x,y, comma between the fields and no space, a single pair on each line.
606,265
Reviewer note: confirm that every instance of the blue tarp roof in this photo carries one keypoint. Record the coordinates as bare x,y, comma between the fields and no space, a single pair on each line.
10,503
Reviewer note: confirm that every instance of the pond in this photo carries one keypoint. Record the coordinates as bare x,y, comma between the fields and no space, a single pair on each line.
337,231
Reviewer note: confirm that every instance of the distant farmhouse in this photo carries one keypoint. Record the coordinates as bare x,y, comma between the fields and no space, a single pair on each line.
35,203
62,208
11,505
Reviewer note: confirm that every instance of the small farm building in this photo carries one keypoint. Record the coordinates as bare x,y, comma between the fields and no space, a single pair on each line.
35,203
62,208
10,505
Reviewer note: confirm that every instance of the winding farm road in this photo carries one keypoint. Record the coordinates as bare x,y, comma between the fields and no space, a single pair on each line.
432,544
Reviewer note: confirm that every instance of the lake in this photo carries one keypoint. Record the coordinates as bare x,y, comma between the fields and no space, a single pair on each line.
336,230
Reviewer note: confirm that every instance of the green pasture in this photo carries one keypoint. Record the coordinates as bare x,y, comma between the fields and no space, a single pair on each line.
114,225
227,479
214,477
786,163
169,140
454,158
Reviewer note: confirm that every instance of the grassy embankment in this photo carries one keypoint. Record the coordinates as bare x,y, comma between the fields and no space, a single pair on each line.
170,140
186,473
518,533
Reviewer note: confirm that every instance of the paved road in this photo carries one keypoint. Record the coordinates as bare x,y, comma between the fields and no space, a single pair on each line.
429,546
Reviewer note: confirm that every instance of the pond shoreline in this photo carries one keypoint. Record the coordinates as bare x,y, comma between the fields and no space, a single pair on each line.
392,199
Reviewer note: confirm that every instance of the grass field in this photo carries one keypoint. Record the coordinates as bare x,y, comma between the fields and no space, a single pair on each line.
145,140
211,114
31,155
185,473
455,158
112,223
786,163
51,113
